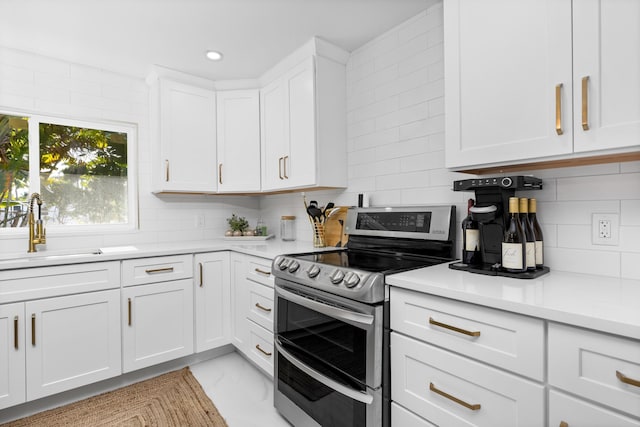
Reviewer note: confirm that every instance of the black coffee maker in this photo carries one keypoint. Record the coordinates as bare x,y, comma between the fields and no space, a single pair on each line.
491,211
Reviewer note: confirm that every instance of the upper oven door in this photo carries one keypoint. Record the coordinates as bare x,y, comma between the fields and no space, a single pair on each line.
330,333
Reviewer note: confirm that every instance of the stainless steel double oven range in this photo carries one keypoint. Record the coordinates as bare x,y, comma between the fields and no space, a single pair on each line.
331,314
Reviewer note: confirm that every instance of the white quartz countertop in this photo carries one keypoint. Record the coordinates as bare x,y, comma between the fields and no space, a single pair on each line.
262,248
602,303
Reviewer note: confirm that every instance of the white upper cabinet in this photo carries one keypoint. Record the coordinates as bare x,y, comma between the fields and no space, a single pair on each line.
238,129
503,62
606,67
184,122
514,74
303,118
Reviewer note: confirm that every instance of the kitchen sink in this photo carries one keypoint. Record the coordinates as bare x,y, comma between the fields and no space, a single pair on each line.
47,255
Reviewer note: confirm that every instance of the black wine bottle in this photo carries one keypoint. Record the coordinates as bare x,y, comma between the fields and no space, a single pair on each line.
537,231
530,239
470,239
513,241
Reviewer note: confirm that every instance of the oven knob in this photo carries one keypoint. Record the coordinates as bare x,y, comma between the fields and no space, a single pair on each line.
283,264
313,271
336,277
351,279
294,266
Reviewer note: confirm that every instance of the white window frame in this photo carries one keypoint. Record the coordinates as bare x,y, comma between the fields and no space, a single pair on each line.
130,129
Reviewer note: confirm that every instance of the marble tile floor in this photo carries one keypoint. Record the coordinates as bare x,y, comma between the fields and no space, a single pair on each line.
242,394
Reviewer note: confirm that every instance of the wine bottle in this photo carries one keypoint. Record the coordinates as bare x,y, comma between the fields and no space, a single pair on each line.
530,239
513,241
470,238
537,231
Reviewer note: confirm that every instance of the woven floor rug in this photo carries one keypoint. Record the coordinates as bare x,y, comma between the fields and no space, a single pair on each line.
175,399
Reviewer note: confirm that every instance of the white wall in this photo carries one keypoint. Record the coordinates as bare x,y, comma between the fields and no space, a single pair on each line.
35,84
395,97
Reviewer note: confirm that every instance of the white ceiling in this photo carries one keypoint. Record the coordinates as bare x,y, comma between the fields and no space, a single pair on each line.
128,36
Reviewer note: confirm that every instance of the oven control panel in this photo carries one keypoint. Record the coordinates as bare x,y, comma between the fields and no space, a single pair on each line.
352,283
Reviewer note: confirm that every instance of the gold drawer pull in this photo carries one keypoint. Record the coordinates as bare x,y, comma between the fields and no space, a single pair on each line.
220,173
266,353
166,170
563,424
280,167
201,275
266,273
129,310
33,330
625,379
284,168
473,407
160,270
268,310
585,103
559,130
454,328
15,332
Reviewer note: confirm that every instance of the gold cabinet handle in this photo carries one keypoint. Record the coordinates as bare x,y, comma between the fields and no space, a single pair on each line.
473,407
15,332
625,379
559,130
263,308
454,328
585,103
201,274
284,173
220,173
159,270
563,424
266,273
280,167
166,170
33,329
129,311
266,353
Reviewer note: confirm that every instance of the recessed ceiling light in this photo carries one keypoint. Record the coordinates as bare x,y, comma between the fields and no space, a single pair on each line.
213,55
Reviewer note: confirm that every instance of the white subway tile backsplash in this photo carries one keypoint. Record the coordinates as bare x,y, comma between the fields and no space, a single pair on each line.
413,27
602,187
601,263
630,265
629,167
629,238
402,181
573,213
630,212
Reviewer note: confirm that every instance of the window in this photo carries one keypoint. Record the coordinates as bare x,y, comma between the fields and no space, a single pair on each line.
80,169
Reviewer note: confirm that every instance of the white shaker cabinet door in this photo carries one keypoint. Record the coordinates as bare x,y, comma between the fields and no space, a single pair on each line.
275,137
508,80
72,341
606,51
238,141
212,300
12,351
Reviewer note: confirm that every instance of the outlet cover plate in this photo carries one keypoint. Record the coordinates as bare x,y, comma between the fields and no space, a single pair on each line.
605,224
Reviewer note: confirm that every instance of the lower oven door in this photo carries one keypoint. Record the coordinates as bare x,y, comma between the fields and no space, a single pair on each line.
328,363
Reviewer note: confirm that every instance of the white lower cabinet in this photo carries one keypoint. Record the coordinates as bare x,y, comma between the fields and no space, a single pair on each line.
403,418
212,300
568,411
451,390
12,355
157,323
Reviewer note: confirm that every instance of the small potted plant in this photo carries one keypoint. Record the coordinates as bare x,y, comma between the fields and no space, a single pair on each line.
237,225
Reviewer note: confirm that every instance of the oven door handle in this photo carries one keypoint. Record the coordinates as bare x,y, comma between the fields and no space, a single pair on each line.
329,310
365,398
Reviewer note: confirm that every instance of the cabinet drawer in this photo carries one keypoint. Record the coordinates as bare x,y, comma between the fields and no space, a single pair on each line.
597,366
261,305
403,418
506,340
260,271
578,413
157,269
426,380
43,282
261,347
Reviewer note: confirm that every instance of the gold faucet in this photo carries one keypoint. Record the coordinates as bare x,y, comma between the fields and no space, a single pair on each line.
37,233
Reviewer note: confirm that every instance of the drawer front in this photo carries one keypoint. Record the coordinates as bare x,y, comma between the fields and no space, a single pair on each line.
506,340
428,380
578,413
261,305
403,418
261,347
260,271
43,282
598,366
157,269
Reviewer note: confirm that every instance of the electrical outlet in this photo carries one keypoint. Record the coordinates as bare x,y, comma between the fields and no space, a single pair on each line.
605,229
